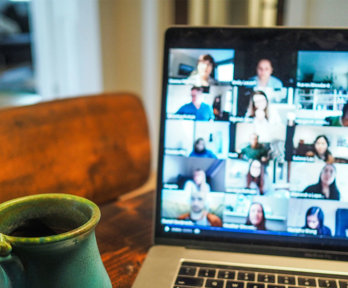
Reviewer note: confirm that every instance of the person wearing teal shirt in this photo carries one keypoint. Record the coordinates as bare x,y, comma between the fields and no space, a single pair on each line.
255,150
339,120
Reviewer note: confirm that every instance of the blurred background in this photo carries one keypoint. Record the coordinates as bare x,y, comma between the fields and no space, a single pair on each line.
64,48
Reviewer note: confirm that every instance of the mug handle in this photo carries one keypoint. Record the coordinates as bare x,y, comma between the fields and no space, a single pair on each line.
11,268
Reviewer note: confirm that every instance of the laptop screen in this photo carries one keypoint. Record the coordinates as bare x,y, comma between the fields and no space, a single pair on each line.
254,136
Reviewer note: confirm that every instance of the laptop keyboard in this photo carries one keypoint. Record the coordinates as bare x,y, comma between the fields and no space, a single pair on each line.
222,276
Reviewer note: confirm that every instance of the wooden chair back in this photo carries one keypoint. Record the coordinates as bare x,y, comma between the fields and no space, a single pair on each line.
93,146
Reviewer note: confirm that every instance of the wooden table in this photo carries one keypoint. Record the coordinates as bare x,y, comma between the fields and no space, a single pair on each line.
124,236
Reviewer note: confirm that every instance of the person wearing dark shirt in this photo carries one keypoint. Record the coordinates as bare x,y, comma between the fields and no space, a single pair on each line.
199,150
217,108
315,221
326,185
197,107
255,150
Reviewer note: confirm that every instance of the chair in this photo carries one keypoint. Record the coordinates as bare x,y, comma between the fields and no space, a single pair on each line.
92,146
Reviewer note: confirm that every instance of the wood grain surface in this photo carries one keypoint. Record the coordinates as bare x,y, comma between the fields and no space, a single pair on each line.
94,146
124,236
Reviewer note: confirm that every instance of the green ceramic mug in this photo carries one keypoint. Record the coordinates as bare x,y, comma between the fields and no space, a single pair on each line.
48,240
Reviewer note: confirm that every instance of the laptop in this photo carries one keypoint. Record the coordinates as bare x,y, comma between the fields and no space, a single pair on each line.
252,187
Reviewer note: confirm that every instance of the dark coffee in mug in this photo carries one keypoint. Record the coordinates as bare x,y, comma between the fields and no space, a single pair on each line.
43,217
40,227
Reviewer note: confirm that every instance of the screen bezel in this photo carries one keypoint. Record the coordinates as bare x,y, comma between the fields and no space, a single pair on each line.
204,37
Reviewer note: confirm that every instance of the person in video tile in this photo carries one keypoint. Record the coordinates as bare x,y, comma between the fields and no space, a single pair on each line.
321,149
203,75
264,78
258,106
199,182
326,185
257,178
255,150
256,216
197,107
198,213
199,150
315,220
339,120
217,108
